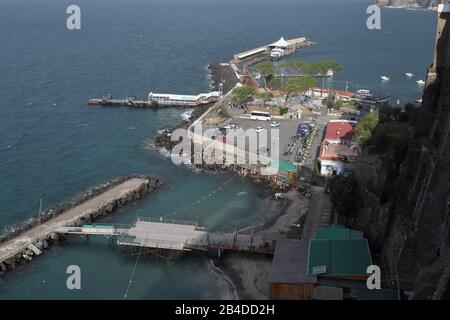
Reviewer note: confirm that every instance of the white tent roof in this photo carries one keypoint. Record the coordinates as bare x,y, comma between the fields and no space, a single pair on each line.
280,43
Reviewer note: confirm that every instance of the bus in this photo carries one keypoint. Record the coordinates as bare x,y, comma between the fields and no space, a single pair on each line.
260,115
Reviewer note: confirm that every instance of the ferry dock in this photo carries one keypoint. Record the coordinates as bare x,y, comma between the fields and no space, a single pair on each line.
224,77
32,240
160,100
175,235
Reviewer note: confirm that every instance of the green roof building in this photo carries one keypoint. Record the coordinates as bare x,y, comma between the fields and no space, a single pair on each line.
338,251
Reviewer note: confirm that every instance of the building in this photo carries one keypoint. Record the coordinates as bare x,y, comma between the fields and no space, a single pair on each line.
286,170
338,151
183,100
328,267
276,50
324,93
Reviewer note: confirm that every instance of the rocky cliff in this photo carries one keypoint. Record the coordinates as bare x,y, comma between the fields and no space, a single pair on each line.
403,187
410,3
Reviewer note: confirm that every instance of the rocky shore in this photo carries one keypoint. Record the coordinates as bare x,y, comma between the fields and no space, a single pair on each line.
410,4
163,139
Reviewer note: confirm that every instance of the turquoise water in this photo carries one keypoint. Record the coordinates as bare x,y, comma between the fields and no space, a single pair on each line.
54,147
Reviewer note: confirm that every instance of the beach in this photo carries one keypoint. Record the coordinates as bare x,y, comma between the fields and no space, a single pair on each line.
249,272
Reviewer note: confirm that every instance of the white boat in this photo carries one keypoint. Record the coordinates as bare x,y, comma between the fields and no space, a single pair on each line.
363,92
418,101
385,78
409,75
421,82
329,74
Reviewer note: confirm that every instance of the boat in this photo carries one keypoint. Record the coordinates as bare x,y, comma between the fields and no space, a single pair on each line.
329,74
421,82
385,78
364,93
418,101
409,75
258,76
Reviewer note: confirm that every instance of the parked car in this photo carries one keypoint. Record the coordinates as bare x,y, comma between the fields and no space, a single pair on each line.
275,124
259,129
303,129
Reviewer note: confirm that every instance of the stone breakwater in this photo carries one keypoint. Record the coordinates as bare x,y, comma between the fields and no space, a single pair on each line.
32,239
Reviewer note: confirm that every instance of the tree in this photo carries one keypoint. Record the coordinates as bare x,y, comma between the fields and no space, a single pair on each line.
264,96
267,70
365,128
344,195
299,84
294,64
331,101
241,94
275,84
322,67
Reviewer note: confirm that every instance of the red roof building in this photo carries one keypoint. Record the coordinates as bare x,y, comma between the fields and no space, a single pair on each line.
337,150
340,131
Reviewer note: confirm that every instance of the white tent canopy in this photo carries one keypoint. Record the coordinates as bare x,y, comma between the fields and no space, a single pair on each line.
280,43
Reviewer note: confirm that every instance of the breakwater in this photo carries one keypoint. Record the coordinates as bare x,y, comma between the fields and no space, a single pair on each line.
32,239
134,103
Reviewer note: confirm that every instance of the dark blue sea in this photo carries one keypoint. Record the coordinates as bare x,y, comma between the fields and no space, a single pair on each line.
54,147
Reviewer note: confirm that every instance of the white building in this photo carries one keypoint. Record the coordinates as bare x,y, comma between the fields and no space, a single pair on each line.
184,100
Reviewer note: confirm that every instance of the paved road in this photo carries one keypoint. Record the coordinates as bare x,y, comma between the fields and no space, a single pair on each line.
17,244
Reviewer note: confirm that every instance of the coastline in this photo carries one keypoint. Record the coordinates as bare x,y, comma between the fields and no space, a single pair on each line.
249,272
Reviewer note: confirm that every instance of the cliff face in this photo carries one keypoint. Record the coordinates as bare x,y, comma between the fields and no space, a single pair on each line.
405,192
410,3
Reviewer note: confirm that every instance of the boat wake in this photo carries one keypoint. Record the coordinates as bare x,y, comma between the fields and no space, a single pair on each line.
187,115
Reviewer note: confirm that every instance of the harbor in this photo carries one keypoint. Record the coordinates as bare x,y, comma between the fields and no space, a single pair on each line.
22,246
224,76
87,145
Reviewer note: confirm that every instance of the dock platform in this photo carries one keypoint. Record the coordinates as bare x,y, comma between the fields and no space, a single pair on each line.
176,235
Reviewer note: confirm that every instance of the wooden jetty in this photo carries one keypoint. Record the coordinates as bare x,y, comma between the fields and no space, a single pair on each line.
174,235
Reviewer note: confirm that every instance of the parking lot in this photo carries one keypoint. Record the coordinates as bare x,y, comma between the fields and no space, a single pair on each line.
292,147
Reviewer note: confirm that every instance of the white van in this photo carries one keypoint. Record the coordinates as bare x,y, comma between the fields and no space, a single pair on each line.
260,115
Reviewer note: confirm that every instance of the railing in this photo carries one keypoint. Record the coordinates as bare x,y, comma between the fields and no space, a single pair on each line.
152,243
168,221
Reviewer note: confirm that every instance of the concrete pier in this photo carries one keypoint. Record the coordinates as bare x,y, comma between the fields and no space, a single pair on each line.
24,245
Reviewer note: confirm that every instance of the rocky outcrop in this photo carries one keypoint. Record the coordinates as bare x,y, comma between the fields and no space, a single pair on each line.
425,4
